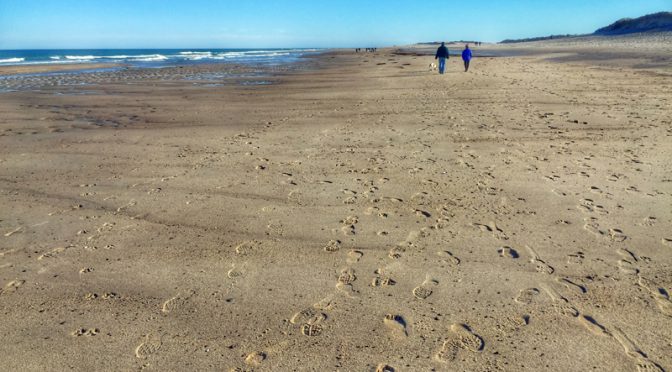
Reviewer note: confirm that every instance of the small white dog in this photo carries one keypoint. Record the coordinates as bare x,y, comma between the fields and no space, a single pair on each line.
432,67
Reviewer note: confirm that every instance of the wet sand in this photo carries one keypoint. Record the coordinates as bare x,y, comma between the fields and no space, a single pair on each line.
363,214
41,68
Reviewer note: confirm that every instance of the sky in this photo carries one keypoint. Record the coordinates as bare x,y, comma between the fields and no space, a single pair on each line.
63,24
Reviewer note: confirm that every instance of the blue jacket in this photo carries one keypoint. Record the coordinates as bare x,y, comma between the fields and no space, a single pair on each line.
466,55
442,52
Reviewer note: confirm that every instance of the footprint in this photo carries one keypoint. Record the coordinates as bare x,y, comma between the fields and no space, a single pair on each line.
421,213
617,235
591,225
493,228
644,364
308,315
384,368
235,273
593,326
295,196
559,192
326,304
371,211
89,332
541,266
396,252
627,254
104,296
667,242
448,258
349,230
176,302
527,296
627,267
468,339
461,338
561,305
255,359
424,290
508,252
311,330
649,221
576,258
571,285
345,280
247,248
350,220
396,324
354,256
661,295
333,246
347,276
511,324
350,200
382,281
149,346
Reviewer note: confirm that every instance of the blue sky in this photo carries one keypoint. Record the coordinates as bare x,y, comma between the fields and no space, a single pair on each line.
32,24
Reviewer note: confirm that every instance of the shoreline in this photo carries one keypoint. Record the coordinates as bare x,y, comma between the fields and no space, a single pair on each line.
46,68
98,76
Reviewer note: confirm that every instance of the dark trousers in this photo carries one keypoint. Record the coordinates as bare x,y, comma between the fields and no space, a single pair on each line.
466,66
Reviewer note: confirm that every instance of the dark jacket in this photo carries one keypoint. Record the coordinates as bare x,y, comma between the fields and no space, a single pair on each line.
442,52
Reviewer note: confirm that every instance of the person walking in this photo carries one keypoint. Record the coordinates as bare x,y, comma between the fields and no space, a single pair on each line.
442,55
466,57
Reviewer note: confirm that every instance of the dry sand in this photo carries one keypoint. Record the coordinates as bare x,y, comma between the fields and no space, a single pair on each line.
365,214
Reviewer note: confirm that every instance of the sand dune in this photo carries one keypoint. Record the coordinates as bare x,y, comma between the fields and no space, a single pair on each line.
359,214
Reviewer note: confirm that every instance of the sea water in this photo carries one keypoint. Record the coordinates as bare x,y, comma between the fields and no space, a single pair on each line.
151,57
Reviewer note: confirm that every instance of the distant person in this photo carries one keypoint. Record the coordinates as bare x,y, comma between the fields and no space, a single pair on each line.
466,57
442,55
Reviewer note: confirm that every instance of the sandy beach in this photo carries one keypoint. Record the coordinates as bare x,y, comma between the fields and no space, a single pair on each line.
361,213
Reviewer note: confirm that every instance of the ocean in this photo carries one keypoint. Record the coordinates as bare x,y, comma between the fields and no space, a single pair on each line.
237,66
151,57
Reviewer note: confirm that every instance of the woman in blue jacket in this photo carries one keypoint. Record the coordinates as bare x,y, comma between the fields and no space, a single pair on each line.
466,57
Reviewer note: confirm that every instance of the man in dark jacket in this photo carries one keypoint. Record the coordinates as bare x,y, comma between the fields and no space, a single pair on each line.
442,56
466,57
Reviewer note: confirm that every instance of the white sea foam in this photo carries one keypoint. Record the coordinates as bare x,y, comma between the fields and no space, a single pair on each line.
12,60
55,57
81,58
252,54
150,58
195,56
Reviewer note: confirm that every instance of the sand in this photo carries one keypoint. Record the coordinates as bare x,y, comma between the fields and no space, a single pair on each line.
362,214
39,68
